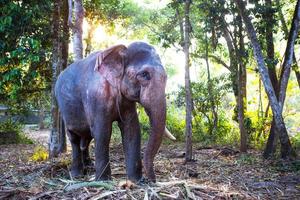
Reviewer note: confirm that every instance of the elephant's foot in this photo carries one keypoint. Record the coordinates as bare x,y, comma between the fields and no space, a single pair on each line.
144,181
103,174
76,171
135,177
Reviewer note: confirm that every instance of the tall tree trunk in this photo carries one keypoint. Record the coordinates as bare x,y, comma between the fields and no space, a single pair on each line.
289,52
242,91
76,27
210,92
57,143
295,66
64,63
233,62
286,148
188,93
272,139
56,62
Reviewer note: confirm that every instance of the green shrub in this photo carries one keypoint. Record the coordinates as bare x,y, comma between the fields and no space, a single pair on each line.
11,133
296,141
116,133
176,122
226,133
144,122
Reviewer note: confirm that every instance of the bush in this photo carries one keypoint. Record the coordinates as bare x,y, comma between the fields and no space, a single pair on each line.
144,122
176,122
296,142
11,133
225,134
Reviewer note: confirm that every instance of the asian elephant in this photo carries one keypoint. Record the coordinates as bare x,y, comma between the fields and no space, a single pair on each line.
104,87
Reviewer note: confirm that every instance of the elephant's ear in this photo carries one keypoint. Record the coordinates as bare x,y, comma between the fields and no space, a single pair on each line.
110,64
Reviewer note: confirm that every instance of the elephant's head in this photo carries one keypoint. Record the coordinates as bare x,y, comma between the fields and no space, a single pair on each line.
138,73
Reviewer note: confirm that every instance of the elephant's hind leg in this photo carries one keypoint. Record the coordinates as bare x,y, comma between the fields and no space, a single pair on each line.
77,165
84,145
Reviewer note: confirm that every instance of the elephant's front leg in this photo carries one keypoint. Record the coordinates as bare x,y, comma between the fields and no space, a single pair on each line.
102,134
131,139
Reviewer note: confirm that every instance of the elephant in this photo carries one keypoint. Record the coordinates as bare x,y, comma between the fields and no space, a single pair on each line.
105,87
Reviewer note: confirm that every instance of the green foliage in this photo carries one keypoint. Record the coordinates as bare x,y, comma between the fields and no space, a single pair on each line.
296,141
144,122
11,133
10,126
24,51
257,126
116,133
176,121
226,132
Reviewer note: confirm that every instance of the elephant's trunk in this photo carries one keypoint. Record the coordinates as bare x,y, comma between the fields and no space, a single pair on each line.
154,102
157,118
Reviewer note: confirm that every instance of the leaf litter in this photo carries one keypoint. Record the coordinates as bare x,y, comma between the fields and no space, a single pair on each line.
216,173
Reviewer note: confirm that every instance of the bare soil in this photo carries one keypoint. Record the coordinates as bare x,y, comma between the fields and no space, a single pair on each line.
216,173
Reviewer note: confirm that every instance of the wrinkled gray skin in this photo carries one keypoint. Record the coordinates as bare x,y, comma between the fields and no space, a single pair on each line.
104,87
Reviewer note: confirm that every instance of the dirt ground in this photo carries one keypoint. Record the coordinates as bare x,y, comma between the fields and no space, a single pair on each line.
216,173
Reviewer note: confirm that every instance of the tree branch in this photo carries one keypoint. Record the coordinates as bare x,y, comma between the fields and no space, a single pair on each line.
220,61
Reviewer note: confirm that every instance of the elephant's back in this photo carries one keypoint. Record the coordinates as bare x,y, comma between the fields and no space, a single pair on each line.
75,77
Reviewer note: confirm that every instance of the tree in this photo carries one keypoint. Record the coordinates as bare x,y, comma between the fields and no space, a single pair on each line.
24,54
76,27
286,148
215,13
185,35
60,39
286,33
271,64
284,76
242,90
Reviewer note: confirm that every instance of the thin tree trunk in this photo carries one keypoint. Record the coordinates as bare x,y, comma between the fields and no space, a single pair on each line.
233,62
289,52
242,92
57,143
276,107
270,148
76,27
210,92
41,117
295,66
188,94
64,63
54,136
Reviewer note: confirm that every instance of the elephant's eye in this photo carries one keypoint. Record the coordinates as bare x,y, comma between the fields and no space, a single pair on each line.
145,75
